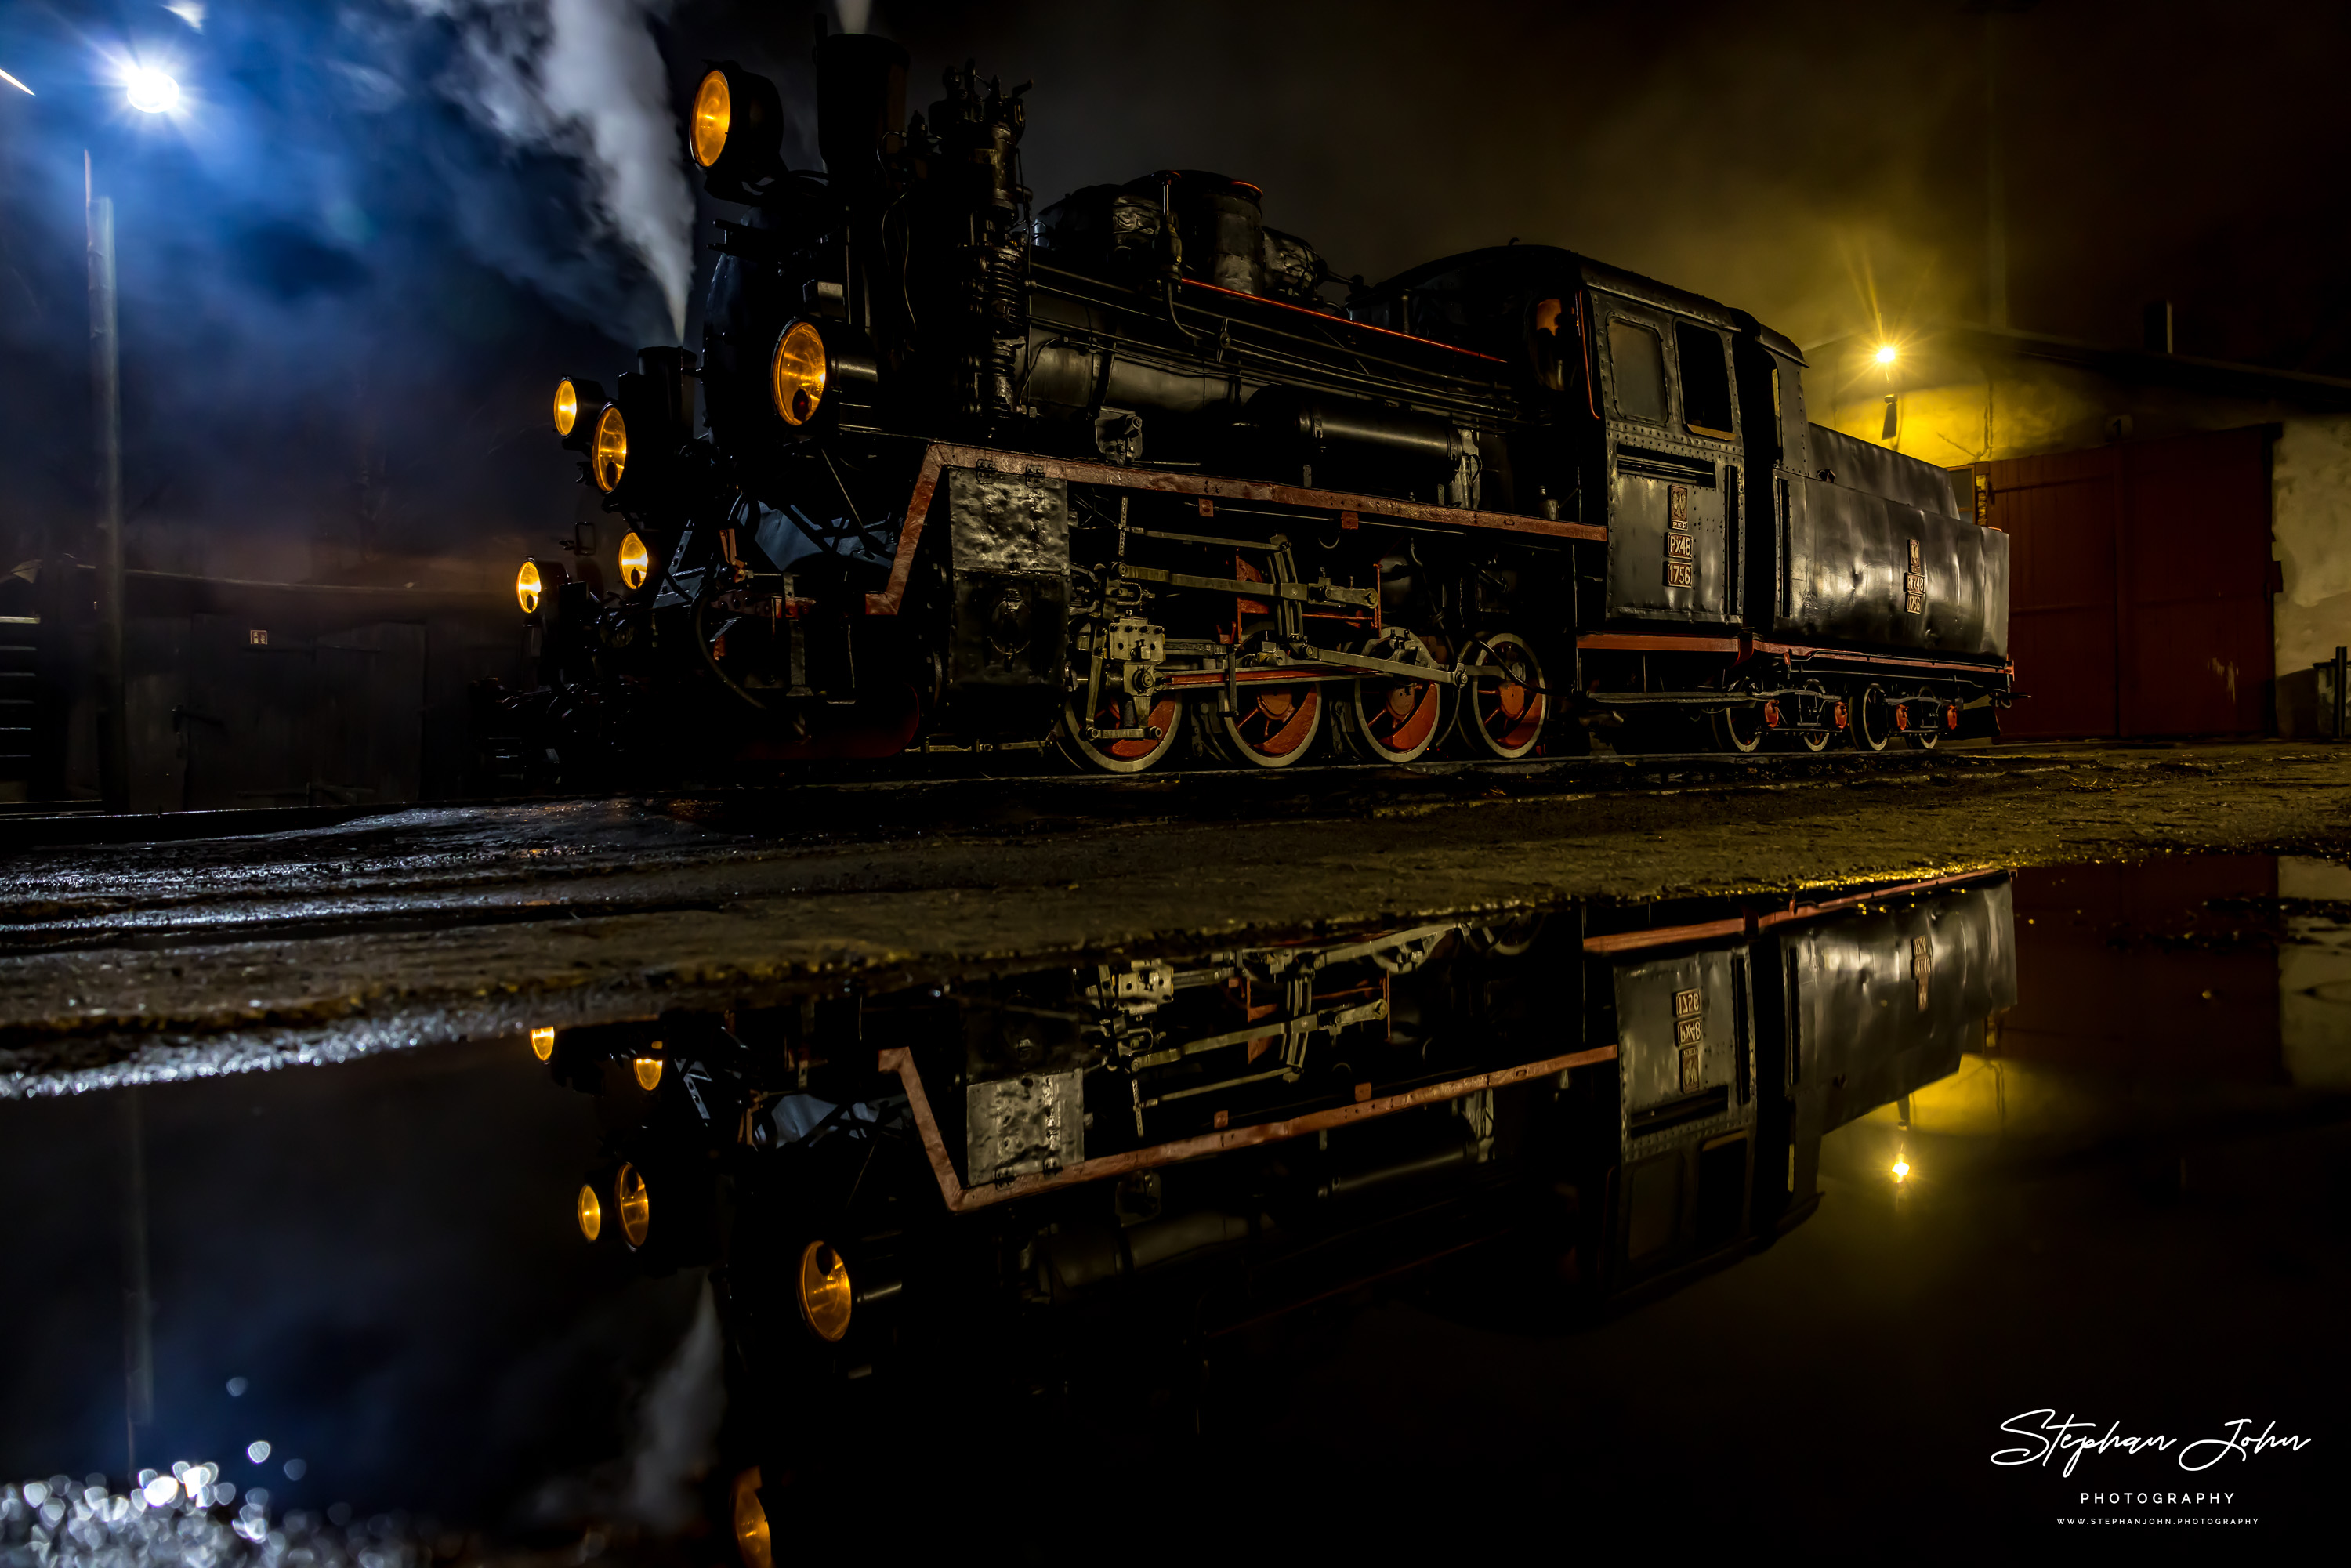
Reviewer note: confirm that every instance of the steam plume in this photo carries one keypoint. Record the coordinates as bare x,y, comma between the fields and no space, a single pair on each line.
583,78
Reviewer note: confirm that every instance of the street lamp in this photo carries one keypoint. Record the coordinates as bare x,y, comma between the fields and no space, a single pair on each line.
150,91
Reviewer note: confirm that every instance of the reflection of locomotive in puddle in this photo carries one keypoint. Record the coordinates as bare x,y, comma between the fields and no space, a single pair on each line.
1027,1204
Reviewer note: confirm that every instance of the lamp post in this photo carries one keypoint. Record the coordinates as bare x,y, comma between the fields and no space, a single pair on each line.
150,91
106,410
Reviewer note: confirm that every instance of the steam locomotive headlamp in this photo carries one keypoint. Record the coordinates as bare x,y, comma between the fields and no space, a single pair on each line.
636,562
609,457
796,376
714,112
634,1204
578,404
735,130
590,1209
537,582
825,1292
1901,1172
1887,353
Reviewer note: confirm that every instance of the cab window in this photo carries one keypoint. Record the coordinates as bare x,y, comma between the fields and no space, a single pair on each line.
1638,358
1551,344
1705,379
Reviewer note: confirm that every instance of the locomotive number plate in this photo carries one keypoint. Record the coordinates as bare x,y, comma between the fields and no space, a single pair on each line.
1693,1077
1686,1031
1681,547
1687,1004
1680,574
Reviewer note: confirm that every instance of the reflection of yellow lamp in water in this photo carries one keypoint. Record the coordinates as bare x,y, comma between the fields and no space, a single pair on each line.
542,1043
826,1294
751,1522
635,1204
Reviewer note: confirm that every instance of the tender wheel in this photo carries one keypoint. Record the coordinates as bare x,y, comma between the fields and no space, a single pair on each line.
1274,725
1738,728
1871,724
1504,705
1928,738
1392,718
1118,711
1838,715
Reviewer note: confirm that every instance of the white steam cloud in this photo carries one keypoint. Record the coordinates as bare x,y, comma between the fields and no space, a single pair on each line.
582,78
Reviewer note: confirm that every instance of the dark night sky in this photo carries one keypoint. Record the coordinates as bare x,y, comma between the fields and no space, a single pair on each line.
344,295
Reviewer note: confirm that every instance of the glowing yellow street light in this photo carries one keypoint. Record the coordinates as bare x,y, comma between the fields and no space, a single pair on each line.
1887,353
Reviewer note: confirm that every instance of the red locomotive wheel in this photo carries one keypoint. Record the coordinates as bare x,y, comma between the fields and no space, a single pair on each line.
1274,725
1504,704
1125,754
1392,718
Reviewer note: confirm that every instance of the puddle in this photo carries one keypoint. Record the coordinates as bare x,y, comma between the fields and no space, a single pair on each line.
1770,1209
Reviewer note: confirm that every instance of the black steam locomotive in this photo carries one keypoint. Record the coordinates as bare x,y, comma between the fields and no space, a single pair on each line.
923,1207
1140,464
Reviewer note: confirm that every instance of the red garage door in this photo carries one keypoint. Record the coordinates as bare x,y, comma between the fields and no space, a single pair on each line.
2139,598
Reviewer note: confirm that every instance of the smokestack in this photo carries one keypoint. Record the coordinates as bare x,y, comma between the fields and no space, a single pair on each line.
861,97
2154,327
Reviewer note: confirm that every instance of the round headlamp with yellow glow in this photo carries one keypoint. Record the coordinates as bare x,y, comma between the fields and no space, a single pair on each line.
529,587
636,562
590,1210
825,1292
714,115
609,456
735,131
797,374
577,403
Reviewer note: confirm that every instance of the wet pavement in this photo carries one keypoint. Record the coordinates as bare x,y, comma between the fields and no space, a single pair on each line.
124,961
1551,1188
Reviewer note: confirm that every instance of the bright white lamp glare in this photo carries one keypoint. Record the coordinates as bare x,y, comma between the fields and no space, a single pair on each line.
150,91
1901,1170
1886,354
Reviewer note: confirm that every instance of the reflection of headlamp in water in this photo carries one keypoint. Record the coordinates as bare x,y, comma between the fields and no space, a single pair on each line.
825,1292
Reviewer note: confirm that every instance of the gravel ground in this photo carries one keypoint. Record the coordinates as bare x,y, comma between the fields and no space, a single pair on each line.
148,961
